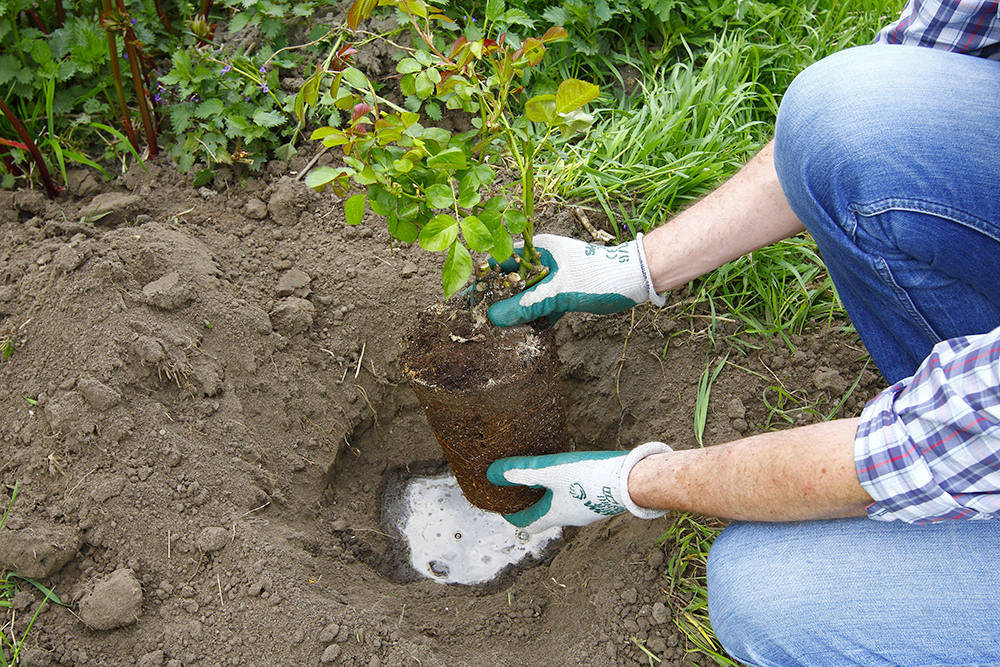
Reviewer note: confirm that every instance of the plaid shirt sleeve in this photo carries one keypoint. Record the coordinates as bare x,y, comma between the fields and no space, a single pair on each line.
928,447
965,26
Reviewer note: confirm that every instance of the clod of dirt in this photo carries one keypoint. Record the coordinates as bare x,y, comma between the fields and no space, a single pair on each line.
213,538
114,602
292,315
330,655
168,292
38,551
294,282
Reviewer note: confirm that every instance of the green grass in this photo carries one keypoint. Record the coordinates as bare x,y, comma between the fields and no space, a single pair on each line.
688,541
695,121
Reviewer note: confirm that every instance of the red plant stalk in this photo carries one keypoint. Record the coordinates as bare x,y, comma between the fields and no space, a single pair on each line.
163,17
36,154
116,76
132,49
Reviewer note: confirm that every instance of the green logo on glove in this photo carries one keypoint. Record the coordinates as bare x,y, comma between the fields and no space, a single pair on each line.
606,504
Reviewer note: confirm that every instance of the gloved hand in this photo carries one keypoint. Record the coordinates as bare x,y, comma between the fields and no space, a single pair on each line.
581,487
582,277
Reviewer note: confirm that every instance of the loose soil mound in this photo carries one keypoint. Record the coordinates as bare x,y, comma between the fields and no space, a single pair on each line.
205,400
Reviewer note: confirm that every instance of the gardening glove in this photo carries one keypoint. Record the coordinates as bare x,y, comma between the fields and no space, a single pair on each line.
582,277
580,487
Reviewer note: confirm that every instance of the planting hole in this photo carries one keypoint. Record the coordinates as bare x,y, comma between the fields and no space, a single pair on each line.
451,541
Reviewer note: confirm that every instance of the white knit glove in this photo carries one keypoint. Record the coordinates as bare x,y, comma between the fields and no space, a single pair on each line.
583,277
581,487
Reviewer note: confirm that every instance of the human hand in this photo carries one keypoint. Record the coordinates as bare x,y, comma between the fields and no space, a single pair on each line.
582,277
581,487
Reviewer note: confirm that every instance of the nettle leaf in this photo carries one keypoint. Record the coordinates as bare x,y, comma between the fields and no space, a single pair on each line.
209,108
476,234
457,269
494,9
354,209
439,233
573,94
440,195
268,118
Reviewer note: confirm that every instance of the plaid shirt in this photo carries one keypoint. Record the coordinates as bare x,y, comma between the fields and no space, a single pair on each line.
928,447
965,26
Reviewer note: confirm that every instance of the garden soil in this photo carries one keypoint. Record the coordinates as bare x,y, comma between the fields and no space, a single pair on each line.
205,406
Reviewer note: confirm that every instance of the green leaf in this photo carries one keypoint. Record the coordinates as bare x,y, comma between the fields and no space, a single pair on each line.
354,77
439,233
573,94
541,109
468,190
209,108
449,158
457,269
268,118
408,66
476,234
381,201
423,86
440,195
494,9
503,245
404,230
516,221
354,208
319,177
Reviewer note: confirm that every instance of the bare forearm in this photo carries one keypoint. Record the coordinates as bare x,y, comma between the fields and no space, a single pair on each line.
797,474
747,212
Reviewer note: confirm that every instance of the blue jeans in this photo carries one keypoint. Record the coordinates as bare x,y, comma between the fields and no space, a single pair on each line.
857,592
890,156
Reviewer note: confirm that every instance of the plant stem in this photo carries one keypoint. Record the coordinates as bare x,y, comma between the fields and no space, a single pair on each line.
36,154
528,193
132,48
116,76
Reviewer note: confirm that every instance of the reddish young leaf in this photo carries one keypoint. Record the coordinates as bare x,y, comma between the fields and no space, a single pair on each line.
359,11
554,34
360,109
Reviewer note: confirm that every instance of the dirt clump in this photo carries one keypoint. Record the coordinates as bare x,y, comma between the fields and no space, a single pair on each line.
206,398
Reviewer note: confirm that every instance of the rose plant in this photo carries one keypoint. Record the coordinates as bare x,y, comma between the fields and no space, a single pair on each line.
439,188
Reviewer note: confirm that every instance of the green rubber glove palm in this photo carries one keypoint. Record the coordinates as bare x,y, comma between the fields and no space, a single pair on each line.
583,277
580,487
